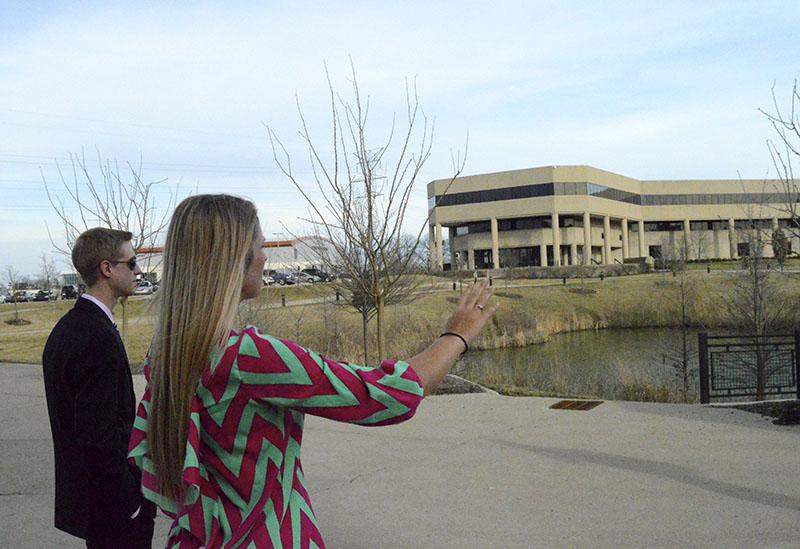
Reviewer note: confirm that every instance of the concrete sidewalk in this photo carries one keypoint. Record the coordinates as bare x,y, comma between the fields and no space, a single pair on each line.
484,470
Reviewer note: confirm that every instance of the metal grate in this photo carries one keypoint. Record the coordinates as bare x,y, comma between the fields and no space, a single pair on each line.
575,404
736,370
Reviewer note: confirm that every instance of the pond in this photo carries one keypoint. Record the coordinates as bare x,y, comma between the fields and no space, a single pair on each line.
626,364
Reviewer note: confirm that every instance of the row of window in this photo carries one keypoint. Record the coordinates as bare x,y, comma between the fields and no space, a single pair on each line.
705,199
493,195
529,223
601,191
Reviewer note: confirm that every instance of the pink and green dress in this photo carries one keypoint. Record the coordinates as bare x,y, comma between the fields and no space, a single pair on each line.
245,484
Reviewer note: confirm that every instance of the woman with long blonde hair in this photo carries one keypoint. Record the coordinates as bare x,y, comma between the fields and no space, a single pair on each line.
218,431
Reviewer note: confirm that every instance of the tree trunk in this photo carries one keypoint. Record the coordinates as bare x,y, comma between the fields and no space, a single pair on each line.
365,334
380,310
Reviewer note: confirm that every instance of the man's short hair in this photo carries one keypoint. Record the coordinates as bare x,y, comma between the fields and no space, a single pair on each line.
94,246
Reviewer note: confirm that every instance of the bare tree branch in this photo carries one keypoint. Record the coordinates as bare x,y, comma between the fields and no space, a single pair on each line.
364,197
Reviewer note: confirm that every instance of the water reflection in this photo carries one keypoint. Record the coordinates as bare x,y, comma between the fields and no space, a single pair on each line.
635,364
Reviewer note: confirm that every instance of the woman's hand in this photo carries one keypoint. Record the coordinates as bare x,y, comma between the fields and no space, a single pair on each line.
472,312
467,321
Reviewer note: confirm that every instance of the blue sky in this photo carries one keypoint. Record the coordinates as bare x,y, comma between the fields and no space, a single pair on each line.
652,90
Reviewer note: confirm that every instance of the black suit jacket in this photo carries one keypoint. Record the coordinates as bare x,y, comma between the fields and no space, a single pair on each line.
91,404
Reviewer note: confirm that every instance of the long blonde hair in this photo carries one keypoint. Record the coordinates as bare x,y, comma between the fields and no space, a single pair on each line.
208,248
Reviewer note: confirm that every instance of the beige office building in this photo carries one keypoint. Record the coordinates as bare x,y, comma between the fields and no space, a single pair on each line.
567,215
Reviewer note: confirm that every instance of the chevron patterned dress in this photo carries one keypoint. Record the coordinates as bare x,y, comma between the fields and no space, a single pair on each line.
245,484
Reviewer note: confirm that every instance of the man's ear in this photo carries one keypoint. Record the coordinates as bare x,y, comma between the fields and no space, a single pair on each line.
105,269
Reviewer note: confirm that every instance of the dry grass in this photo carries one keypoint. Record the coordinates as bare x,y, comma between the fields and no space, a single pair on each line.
529,314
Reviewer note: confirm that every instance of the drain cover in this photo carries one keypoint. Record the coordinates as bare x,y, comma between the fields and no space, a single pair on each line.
575,404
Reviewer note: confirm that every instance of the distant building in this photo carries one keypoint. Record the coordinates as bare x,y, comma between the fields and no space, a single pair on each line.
566,215
298,253
68,278
290,255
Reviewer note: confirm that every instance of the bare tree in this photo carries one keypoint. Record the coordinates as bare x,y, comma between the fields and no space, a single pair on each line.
364,192
675,252
756,304
508,262
47,270
114,196
679,357
699,242
782,151
12,277
780,246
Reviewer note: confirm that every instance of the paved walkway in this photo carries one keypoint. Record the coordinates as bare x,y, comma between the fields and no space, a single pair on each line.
490,471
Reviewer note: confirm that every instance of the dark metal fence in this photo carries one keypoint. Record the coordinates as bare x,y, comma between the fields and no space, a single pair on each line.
730,366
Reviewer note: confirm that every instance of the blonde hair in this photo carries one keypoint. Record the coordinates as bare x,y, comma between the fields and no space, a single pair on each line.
208,248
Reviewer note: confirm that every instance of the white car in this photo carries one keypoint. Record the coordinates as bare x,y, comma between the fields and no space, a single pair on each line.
144,287
307,278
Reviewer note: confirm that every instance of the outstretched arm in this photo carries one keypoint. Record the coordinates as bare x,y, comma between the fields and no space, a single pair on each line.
467,321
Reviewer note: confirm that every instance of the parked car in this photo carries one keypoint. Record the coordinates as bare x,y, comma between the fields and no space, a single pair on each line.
144,287
43,295
268,280
72,291
20,296
282,278
305,278
320,274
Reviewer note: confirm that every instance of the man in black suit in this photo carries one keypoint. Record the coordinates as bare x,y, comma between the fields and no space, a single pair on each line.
91,403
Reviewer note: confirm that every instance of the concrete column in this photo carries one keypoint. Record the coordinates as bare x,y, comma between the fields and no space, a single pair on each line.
606,240
642,249
439,250
775,227
732,239
495,245
543,254
687,238
451,239
556,240
587,238
625,253
471,259
573,254
432,246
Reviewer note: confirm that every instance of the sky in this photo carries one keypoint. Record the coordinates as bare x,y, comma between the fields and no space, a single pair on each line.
650,90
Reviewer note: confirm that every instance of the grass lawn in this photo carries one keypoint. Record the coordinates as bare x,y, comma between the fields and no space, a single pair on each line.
531,311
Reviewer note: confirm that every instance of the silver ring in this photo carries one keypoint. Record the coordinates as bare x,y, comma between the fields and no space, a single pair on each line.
479,307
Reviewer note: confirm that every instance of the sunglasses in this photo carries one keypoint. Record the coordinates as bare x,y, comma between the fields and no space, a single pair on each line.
131,263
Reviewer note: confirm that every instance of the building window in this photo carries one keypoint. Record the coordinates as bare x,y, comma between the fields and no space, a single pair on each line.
663,226
654,252
743,249
479,227
602,191
492,195
524,223
570,221
519,257
753,224
483,259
